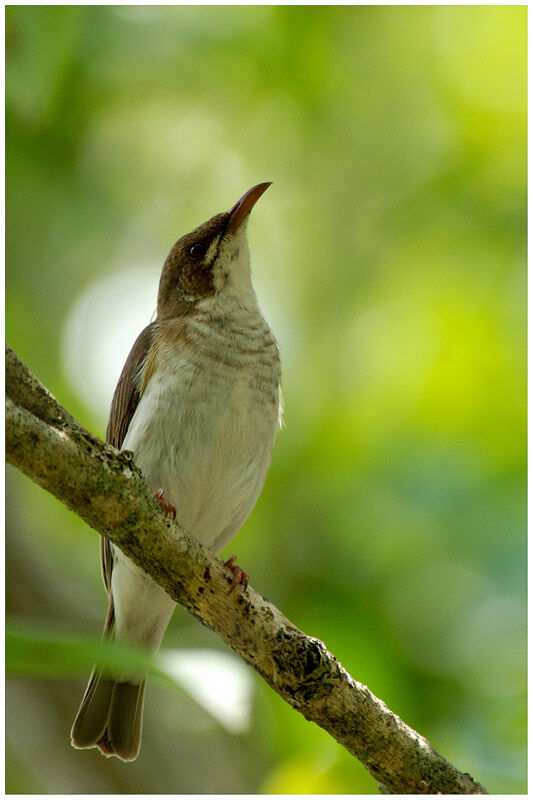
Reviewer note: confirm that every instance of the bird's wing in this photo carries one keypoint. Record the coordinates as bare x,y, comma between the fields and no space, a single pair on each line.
125,401
128,391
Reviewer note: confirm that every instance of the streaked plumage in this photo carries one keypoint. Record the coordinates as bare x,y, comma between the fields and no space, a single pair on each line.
198,403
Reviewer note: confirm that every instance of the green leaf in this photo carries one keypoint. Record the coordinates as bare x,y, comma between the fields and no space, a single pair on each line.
32,651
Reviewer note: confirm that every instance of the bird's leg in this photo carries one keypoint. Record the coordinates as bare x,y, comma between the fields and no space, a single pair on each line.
239,575
165,504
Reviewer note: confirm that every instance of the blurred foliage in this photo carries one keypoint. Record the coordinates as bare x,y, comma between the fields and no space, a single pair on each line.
55,653
389,257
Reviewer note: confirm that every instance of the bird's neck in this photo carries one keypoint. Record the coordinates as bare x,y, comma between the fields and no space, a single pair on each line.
234,301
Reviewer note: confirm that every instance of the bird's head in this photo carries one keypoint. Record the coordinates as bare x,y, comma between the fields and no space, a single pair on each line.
211,262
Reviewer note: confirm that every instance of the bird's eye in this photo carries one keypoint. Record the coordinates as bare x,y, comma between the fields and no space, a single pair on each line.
197,250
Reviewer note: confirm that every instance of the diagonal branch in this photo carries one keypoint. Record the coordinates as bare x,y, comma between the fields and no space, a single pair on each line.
107,490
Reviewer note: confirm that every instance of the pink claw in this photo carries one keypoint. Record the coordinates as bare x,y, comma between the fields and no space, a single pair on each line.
165,504
239,575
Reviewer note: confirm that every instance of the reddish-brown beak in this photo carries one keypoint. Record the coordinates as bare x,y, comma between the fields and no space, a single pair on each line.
242,207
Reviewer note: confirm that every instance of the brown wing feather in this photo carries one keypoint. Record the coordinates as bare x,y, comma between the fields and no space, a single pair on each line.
125,401
128,391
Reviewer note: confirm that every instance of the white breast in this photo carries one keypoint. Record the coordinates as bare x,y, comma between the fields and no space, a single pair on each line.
205,425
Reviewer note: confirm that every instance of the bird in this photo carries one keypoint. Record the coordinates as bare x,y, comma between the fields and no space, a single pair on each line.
198,403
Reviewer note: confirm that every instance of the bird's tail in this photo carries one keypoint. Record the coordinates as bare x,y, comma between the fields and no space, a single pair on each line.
110,717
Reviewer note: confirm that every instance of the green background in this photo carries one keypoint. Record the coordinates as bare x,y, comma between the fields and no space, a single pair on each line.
389,258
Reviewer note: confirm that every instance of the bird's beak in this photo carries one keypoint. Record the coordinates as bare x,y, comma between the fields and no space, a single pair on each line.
242,207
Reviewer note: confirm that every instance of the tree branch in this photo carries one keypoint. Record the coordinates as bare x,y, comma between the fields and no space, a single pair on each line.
106,489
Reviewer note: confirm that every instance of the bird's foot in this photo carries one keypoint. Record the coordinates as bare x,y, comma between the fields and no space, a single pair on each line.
165,504
239,575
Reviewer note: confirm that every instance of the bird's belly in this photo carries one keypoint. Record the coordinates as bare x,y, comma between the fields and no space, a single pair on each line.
207,441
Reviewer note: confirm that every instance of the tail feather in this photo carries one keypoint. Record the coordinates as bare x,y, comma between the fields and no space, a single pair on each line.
91,719
110,717
124,727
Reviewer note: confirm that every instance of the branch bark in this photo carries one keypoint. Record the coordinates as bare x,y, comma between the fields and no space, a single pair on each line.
106,489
